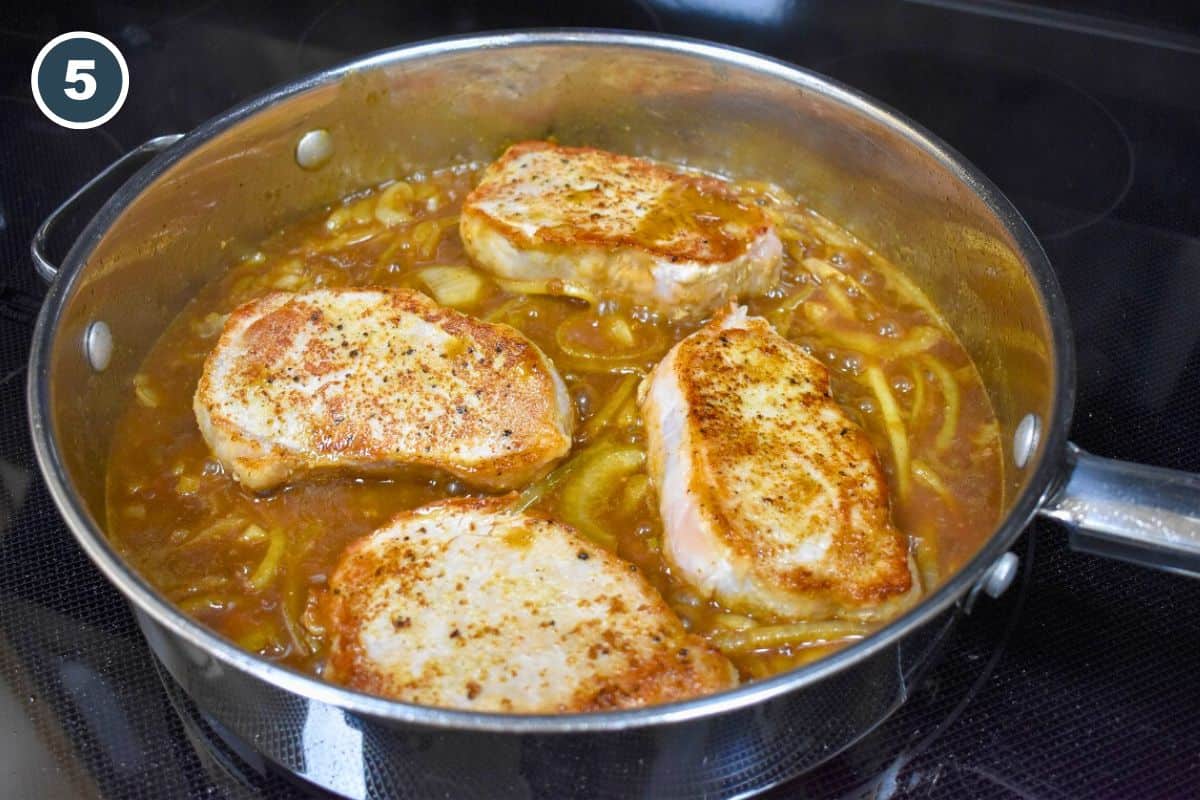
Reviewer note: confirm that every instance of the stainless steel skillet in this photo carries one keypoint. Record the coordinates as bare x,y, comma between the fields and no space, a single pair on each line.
170,227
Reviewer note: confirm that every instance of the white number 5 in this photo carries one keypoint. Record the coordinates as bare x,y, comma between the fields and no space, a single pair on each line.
77,74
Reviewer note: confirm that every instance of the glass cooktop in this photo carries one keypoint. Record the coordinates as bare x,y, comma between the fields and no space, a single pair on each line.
1079,682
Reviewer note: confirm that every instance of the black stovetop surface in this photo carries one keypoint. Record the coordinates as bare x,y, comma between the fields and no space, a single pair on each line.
1080,682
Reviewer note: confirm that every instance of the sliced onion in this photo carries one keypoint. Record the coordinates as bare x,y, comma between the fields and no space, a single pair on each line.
394,205
648,341
457,287
269,566
551,286
793,634
594,485
608,412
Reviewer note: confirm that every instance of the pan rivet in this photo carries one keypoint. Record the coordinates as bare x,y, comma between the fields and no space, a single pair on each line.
1025,440
98,345
314,149
1001,575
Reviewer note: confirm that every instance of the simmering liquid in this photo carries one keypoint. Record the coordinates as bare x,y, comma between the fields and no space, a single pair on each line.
254,568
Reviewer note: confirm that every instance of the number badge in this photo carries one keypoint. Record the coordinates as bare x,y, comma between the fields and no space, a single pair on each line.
80,80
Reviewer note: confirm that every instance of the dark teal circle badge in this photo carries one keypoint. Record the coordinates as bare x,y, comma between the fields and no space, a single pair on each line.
80,80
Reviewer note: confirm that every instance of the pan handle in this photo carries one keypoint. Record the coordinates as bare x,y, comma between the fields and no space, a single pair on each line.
1132,512
122,167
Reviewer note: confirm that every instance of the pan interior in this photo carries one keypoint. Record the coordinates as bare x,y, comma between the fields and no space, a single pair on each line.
173,227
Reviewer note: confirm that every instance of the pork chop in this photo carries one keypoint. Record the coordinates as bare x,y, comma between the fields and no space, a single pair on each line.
467,604
378,382
623,228
773,501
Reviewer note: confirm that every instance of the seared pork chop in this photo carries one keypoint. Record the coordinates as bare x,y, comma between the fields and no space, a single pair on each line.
467,604
773,501
376,382
620,227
